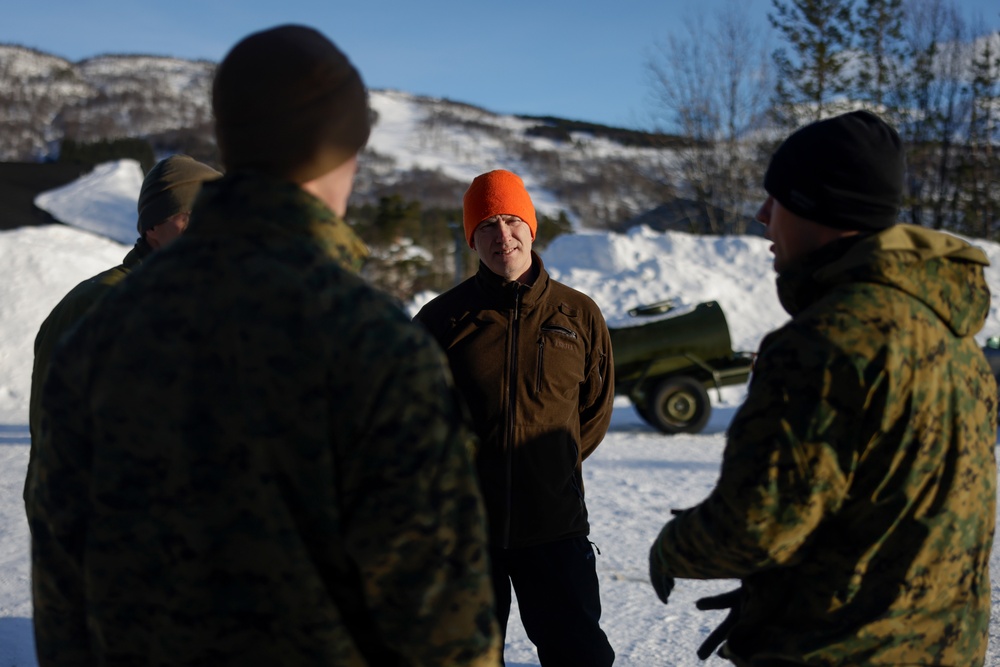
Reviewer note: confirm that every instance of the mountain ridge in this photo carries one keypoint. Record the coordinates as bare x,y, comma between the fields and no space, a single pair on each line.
422,147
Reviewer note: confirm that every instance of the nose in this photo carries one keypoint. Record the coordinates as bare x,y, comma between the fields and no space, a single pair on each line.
505,233
763,215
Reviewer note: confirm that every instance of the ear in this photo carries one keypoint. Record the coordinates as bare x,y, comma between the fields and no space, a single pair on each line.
152,239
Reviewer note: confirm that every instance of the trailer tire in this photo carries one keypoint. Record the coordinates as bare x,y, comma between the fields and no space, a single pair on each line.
679,405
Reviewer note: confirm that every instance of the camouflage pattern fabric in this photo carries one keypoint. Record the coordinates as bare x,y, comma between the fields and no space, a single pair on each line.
63,317
252,457
856,499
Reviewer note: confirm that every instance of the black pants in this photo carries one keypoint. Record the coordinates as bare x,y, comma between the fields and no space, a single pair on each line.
560,604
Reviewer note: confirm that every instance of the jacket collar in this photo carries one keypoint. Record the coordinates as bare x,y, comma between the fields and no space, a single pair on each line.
798,286
139,252
501,292
940,270
246,203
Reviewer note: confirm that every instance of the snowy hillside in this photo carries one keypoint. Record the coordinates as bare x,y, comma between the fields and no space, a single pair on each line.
636,476
597,175
103,97
460,142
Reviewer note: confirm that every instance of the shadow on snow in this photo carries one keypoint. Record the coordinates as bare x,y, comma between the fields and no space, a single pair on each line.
17,644
14,434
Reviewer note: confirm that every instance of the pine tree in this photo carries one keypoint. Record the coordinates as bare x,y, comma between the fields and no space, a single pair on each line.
812,74
982,164
936,36
879,28
549,228
107,150
395,218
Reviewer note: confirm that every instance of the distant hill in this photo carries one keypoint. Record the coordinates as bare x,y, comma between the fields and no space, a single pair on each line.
422,148
44,98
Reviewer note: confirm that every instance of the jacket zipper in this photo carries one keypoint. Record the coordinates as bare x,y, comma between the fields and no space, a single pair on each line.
511,405
538,369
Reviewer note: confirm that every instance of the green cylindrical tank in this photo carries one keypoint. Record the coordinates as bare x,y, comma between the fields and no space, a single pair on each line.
666,365
702,332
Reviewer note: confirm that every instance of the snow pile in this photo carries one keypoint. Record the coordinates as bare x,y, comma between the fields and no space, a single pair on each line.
622,271
102,202
40,264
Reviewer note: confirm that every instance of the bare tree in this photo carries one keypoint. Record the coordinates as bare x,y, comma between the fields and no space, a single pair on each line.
710,83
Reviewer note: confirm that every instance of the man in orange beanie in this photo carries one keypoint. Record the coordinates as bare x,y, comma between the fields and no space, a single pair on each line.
532,359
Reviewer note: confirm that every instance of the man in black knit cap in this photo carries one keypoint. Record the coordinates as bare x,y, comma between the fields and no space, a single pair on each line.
249,455
856,498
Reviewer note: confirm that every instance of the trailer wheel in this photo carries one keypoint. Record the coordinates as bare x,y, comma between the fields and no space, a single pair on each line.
679,405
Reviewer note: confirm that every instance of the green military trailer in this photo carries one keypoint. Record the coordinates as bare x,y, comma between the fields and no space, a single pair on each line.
666,365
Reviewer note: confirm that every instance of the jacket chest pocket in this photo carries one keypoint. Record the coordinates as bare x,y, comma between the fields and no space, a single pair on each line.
560,363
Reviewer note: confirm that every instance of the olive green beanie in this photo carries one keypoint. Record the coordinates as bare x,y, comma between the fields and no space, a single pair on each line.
288,103
170,188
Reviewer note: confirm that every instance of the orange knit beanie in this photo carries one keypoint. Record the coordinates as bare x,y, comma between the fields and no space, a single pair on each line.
496,192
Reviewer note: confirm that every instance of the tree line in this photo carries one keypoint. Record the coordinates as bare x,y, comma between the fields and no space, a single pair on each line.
923,66
416,248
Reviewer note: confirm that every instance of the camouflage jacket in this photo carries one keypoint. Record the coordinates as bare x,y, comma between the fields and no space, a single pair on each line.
535,367
856,500
67,313
250,456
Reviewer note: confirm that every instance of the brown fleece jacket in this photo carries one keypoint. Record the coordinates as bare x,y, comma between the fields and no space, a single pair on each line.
534,366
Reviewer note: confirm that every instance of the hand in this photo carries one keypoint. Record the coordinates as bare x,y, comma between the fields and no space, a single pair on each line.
733,601
662,582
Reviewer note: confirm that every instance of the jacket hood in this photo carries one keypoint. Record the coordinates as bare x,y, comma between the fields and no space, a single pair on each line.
942,271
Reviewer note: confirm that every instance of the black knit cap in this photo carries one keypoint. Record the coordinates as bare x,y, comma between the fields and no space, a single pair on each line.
289,103
844,172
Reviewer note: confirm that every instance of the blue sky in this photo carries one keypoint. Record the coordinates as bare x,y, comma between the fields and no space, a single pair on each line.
580,60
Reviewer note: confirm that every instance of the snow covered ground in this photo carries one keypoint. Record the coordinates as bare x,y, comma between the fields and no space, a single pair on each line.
636,476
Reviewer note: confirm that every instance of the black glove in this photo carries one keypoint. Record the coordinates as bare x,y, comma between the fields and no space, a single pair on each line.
662,582
733,601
